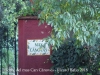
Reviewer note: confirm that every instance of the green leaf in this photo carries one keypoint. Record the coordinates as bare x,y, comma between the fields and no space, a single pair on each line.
89,74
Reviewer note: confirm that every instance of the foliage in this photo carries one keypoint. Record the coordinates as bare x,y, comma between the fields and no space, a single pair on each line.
7,60
95,58
69,18
76,18
9,11
76,60
82,17
8,20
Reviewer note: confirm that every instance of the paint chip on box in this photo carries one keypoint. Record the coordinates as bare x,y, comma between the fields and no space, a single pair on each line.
37,47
